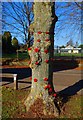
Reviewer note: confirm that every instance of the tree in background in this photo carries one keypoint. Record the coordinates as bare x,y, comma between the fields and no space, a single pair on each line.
81,46
15,43
62,46
6,42
69,25
41,54
17,17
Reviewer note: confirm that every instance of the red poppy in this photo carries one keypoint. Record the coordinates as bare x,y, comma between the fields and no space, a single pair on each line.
54,94
49,85
36,63
36,49
35,80
47,32
45,79
46,40
46,51
39,32
29,48
50,90
46,87
38,40
46,61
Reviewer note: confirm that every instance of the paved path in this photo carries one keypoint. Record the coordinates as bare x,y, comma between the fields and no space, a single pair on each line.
67,81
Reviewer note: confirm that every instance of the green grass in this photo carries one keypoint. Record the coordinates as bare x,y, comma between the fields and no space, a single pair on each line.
12,104
69,54
26,55
14,55
73,108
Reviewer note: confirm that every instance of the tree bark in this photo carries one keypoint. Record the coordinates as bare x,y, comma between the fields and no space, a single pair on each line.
41,54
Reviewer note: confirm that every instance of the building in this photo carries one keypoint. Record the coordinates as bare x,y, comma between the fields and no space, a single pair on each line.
68,49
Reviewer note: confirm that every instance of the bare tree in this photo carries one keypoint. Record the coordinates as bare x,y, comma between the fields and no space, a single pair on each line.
69,23
17,17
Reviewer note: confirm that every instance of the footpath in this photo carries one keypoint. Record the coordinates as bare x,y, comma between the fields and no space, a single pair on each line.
66,81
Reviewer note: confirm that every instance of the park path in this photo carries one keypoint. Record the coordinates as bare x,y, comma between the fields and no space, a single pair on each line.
67,81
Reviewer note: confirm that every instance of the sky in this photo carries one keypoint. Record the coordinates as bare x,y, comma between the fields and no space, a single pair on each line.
67,28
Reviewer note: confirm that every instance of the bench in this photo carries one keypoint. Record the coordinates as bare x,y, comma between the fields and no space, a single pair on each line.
9,75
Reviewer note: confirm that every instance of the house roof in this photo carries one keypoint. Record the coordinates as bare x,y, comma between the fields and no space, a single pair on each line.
69,46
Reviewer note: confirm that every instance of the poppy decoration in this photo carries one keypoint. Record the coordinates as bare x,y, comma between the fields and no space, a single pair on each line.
39,32
50,90
29,49
36,50
46,40
35,80
45,79
38,40
47,32
54,95
47,86
46,51
46,61
37,63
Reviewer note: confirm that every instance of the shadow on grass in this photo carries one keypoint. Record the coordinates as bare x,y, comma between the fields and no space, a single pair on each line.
65,94
62,64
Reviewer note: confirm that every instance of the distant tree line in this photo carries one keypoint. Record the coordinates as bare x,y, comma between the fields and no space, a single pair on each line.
9,45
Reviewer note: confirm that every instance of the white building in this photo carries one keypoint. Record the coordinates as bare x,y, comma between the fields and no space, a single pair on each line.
71,49
68,49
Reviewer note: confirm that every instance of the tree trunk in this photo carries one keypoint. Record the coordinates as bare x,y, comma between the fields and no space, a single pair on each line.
41,54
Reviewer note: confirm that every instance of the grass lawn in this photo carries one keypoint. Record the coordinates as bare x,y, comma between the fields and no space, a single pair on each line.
25,55
14,55
12,104
69,54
